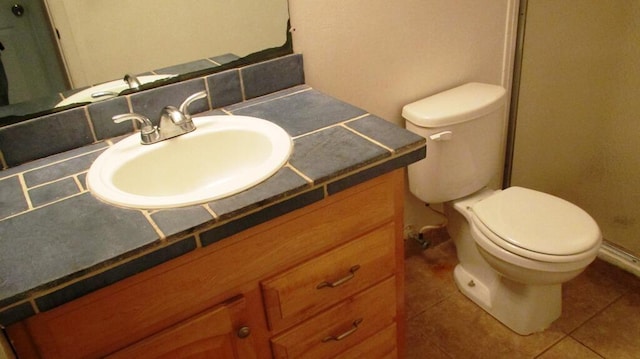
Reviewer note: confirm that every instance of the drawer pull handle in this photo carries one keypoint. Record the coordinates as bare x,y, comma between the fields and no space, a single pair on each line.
345,334
341,281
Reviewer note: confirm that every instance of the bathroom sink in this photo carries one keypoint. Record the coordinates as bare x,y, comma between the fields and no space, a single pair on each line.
223,156
107,90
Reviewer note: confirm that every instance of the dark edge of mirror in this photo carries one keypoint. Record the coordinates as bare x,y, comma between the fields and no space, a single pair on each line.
262,55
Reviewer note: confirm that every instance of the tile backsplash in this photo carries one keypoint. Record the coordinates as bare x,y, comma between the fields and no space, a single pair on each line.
54,133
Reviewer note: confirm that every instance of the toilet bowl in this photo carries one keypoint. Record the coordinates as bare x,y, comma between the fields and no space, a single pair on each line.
504,266
515,246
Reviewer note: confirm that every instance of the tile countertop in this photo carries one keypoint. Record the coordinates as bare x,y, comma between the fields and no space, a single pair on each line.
57,242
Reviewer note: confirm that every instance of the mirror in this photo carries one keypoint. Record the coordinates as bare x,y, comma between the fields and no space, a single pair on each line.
97,42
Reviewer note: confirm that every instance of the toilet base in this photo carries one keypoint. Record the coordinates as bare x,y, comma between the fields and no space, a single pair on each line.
525,309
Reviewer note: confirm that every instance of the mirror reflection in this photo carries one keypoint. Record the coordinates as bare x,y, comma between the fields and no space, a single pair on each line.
54,48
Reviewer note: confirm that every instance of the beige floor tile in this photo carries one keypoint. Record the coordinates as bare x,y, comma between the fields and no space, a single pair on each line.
603,303
429,277
615,332
593,290
463,330
420,345
568,348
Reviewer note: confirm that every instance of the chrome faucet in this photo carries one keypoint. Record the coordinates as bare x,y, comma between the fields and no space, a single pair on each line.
132,81
173,121
148,132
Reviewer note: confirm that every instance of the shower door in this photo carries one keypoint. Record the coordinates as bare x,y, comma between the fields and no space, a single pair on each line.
577,115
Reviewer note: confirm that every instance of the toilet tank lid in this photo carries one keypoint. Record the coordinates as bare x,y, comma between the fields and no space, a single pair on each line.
460,104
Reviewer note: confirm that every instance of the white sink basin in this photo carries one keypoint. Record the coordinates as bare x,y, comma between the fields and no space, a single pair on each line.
114,87
223,156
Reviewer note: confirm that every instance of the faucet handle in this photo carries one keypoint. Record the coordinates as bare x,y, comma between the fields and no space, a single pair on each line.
148,132
184,106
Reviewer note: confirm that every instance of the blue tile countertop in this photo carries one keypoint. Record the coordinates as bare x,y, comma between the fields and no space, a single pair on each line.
57,242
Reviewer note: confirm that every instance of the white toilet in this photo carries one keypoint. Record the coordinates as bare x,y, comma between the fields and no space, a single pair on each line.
515,246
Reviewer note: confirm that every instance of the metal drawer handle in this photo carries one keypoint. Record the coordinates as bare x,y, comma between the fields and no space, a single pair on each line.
339,282
345,334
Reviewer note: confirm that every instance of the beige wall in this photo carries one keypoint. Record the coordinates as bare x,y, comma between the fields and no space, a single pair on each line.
103,40
578,128
381,55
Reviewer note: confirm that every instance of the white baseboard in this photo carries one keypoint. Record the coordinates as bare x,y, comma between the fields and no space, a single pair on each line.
619,258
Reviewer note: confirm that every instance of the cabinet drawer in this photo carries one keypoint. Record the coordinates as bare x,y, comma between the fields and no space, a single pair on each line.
381,345
340,327
325,280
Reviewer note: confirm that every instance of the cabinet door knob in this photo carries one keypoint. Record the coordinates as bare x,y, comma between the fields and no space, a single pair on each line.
244,332
343,280
17,10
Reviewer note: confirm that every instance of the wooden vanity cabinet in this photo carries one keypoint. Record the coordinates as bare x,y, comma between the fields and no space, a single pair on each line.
216,333
321,282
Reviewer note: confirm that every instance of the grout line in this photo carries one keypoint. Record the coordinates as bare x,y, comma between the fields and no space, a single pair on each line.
34,306
260,99
90,123
198,240
3,162
78,183
63,160
154,225
25,192
209,95
129,104
32,208
211,212
214,62
260,208
338,124
72,176
59,200
357,118
244,97
368,138
297,171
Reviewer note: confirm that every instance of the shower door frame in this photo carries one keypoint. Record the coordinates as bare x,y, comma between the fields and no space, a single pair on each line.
609,252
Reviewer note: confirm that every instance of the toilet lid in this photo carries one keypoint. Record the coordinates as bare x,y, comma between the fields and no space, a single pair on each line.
537,222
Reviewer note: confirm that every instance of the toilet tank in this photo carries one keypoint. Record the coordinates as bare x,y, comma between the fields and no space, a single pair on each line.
464,128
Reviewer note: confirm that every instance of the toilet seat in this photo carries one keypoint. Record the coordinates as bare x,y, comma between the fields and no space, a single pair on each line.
536,225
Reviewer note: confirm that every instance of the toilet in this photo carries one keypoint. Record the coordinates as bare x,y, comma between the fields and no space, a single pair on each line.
515,246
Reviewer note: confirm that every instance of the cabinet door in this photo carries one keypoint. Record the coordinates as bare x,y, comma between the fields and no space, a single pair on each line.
211,334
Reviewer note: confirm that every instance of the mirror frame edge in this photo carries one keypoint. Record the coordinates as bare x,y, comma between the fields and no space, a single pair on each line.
253,58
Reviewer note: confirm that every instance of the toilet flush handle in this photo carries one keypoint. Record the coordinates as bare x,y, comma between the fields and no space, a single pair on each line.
441,136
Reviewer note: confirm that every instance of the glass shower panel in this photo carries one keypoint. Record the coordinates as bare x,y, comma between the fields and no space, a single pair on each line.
578,117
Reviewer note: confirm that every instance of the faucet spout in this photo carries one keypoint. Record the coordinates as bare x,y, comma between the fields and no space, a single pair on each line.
132,81
174,123
177,121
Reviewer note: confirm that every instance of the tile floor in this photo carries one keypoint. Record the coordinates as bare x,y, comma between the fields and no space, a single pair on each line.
600,319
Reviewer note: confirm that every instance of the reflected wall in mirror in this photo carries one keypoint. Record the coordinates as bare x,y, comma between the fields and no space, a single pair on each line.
101,41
